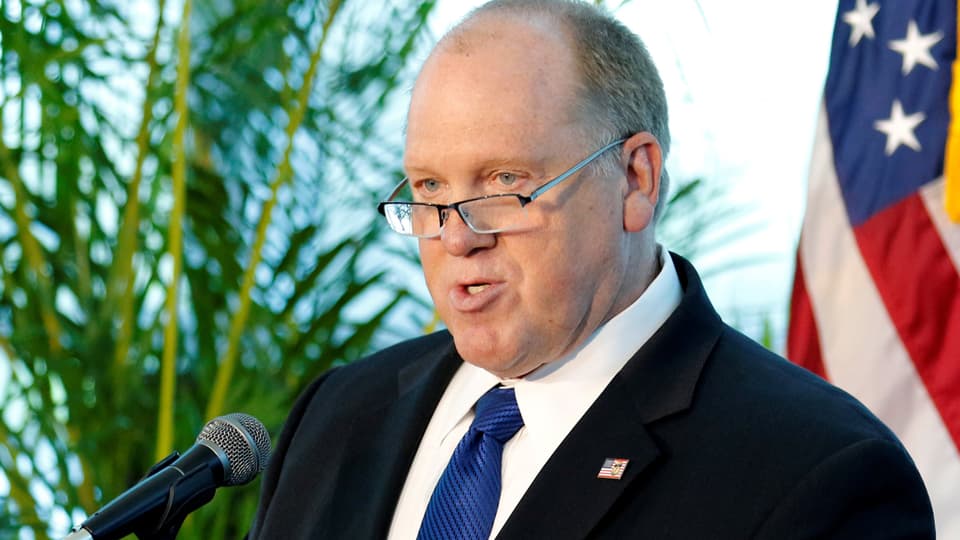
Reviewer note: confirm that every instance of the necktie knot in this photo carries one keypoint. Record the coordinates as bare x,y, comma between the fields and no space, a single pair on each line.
497,414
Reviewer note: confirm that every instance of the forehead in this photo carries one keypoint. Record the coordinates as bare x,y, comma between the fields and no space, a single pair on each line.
500,83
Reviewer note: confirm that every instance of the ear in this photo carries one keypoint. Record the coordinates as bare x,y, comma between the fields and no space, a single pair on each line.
643,164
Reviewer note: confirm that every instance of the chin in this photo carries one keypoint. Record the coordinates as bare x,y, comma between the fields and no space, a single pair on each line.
485,354
502,365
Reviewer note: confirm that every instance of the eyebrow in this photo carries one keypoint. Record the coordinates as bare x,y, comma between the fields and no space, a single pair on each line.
533,165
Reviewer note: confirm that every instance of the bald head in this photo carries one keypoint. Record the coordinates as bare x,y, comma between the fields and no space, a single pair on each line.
618,89
490,69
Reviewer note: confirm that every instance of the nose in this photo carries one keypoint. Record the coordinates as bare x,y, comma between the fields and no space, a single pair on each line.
459,240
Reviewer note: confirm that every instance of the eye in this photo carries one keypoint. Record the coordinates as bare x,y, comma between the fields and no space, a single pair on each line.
507,178
429,185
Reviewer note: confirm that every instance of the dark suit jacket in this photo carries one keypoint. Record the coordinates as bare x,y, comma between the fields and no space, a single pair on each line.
725,440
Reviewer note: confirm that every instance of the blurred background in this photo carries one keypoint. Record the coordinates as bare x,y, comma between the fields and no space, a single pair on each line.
188,223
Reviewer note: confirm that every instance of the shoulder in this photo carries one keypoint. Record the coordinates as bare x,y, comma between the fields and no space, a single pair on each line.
314,433
783,453
749,381
822,457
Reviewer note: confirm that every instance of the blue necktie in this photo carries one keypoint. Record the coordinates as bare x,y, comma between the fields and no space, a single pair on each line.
465,500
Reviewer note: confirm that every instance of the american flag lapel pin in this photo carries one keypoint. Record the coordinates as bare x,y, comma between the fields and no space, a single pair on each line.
613,468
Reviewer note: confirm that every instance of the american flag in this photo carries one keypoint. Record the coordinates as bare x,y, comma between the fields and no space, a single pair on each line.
613,468
876,299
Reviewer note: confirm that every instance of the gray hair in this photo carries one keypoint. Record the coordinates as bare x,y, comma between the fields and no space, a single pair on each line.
621,89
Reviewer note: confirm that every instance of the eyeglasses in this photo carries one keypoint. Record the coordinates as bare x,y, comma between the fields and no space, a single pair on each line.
484,215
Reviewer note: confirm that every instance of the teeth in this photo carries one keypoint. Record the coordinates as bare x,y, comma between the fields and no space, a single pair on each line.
474,289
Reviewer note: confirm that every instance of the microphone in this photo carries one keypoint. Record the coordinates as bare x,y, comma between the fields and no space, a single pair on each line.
229,451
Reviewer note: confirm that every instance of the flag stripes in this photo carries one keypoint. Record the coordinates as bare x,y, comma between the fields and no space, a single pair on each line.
920,288
859,345
803,342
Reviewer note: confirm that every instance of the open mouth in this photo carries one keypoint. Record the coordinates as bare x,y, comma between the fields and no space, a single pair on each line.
475,295
477,288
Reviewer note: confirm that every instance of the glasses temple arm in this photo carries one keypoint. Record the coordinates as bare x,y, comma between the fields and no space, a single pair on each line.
570,172
396,191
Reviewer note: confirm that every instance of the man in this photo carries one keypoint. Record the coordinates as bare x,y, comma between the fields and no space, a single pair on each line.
622,406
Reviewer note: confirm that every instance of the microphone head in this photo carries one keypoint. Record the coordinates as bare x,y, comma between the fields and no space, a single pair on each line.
244,442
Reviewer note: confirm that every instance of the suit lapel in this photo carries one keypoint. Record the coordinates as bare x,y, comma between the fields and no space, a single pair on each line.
567,500
382,444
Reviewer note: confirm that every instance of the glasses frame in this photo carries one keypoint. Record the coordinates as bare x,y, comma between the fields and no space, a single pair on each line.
443,210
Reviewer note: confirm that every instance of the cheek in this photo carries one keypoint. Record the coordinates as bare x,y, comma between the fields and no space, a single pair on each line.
583,260
558,274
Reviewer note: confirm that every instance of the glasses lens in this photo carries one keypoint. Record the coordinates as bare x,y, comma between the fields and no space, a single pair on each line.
495,214
412,219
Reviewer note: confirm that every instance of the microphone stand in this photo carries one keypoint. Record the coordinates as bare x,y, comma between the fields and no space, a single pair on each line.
196,484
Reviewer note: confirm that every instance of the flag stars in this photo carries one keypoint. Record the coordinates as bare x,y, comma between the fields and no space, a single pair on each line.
899,128
860,20
915,48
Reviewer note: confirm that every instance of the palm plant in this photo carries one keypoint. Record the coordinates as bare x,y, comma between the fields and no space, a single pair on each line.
171,227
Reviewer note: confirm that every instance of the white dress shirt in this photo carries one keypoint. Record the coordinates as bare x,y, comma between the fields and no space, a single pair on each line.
552,400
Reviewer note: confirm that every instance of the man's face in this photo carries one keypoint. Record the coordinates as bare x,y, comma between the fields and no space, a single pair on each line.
498,117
